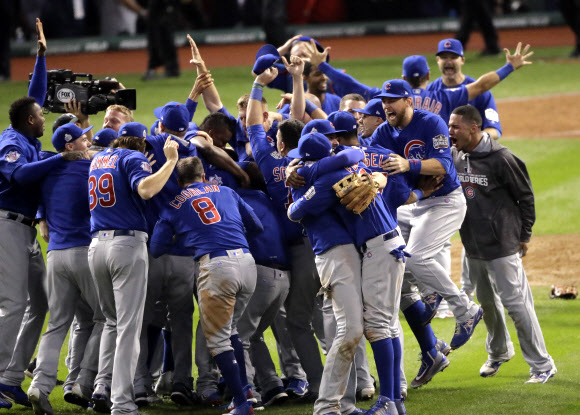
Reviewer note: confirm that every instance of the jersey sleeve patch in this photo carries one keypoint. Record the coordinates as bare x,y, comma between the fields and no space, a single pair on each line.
440,141
276,155
146,167
491,115
310,193
12,156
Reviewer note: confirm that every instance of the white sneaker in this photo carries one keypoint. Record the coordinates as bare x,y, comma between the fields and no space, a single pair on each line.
542,377
39,401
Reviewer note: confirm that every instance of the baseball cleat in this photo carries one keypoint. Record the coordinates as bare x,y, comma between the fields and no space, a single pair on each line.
443,347
163,387
400,405
101,399
542,377
383,406
464,331
365,394
430,366
29,372
431,302
141,400
4,403
14,394
211,398
250,398
244,409
403,391
275,396
77,395
39,401
297,388
490,368
358,411
182,395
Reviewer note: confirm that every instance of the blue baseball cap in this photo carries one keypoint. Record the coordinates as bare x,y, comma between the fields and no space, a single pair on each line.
374,107
104,137
67,134
343,121
396,88
174,116
265,58
415,66
312,146
320,126
450,45
133,129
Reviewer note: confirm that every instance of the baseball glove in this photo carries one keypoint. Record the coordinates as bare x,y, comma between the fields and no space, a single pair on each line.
565,292
356,191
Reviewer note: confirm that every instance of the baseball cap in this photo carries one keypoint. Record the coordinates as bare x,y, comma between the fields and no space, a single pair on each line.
450,45
415,66
312,146
374,107
343,120
133,129
67,134
320,126
62,120
104,137
396,88
174,116
265,58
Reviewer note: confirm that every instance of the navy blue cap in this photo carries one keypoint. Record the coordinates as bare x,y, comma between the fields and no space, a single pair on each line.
265,58
104,137
343,121
312,146
396,88
320,126
67,134
62,120
450,45
415,66
133,129
374,107
174,116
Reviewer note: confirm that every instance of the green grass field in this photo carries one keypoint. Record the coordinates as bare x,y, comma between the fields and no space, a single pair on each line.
555,175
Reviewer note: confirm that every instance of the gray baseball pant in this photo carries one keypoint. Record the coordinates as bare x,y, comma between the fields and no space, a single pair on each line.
288,358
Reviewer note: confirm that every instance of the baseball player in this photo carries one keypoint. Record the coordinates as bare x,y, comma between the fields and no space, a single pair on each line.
212,219
370,117
120,179
496,232
69,279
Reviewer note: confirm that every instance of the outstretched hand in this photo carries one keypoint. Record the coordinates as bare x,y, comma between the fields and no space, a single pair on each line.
518,59
295,67
195,55
41,45
315,57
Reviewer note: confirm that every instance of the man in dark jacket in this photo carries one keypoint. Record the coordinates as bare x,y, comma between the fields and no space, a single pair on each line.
495,233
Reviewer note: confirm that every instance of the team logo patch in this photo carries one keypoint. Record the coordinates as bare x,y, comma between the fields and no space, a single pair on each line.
470,192
447,200
387,86
314,130
215,180
491,115
146,167
447,44
440,141
276,155
310,193
271,141
12,156
369,254
67,137
415,150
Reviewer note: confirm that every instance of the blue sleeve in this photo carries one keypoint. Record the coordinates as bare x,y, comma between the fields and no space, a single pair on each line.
345,84
261,147
252,223
225,111
283,81
41,212
456,96
191,107
38,83
343,159
485,103
35,171
437,144
161,239
136,168
318,198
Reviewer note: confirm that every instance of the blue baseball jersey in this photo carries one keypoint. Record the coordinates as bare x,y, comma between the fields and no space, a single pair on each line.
440,102
66,206
114,202
269,247
16,150
239,138
426,137
205,217
331,103
485,103
343,83
273,167
374,221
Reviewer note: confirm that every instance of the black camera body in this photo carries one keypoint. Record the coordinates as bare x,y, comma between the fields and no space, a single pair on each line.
94,95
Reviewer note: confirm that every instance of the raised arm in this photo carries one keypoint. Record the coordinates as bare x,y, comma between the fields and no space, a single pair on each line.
295,68
151,185
254,115
211,97
38,83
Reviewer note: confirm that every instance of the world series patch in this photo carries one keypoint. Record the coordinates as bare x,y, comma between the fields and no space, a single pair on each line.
440,141
12,156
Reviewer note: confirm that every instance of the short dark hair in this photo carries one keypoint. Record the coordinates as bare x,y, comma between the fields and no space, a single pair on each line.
20,110
290,130
189,170
470,115
130,143
217,120
416,81
352,97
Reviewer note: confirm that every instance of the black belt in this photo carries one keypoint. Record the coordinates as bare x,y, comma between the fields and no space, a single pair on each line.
118,232
215,254
278,267
20,218
389,235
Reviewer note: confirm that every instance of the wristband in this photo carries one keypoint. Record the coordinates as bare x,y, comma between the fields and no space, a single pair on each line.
504,71
257,85
415,166
310,107
256,93
419,193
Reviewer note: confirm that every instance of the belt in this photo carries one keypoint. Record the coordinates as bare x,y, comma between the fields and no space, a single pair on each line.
389,235
118,232
215,254
275,266
17,217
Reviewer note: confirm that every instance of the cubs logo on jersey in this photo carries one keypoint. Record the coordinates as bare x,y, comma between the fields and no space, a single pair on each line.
146,167
469,192
415,150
